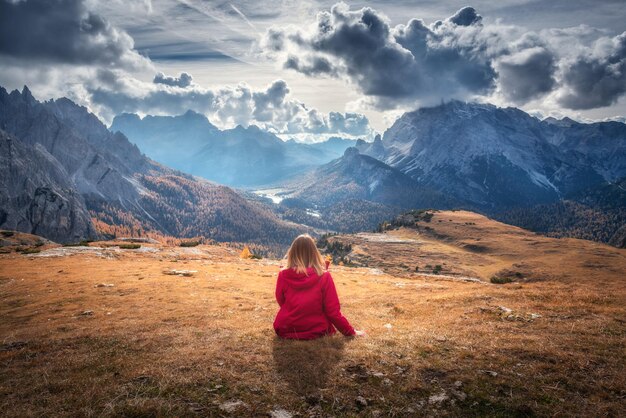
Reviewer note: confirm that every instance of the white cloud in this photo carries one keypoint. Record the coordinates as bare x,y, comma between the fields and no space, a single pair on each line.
461,57
271,108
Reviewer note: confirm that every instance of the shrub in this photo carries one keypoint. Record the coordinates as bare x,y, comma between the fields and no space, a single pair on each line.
500,280
7,234
337,250
83,243
29,250
129,246
437,269
189,243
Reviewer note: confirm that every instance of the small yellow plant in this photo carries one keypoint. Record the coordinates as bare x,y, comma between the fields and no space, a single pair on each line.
245,253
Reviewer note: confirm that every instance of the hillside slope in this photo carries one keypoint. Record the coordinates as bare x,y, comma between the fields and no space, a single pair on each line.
356,176
188,331
469,245
597,213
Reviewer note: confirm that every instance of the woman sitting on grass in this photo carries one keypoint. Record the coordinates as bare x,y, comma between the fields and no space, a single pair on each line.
309,306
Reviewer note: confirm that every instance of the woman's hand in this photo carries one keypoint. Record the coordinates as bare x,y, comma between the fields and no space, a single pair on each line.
360,333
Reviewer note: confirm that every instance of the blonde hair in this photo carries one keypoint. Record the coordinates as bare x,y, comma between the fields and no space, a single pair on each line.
303,253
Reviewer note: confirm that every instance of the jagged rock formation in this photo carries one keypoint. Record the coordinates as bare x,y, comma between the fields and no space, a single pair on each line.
36,195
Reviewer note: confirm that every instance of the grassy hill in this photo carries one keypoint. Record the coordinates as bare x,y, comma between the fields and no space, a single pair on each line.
163,330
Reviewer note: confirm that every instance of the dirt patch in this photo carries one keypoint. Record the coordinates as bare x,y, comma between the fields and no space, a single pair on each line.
476,248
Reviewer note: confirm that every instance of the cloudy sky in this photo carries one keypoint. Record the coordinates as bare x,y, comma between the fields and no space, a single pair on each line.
314,68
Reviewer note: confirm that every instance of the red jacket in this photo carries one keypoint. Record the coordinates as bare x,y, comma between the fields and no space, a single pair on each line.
309,306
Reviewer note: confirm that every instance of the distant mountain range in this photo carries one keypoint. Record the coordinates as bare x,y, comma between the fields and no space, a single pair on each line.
501,162
240,157
67,177
356,176
494,158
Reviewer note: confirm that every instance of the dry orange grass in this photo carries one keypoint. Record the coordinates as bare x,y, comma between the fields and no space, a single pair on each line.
160,345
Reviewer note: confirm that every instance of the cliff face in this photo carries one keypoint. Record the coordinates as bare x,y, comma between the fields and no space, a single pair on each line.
36,195
98,163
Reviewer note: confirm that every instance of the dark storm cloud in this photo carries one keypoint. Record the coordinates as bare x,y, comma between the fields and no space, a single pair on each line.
597,78
63,31
453,57
526,75
184,80
465,17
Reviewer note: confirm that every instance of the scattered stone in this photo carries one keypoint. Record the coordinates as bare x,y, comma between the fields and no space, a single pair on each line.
86,313
185,273
378,374
215,388
509,315
361,402
441,338
489,372
232,406
460,395
388,326
280,413
196,408
387,382
458,384
400,370
438,398
358,372
104,285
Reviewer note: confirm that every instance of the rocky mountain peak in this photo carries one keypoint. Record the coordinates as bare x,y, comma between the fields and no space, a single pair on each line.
491,156
27,96
351,152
